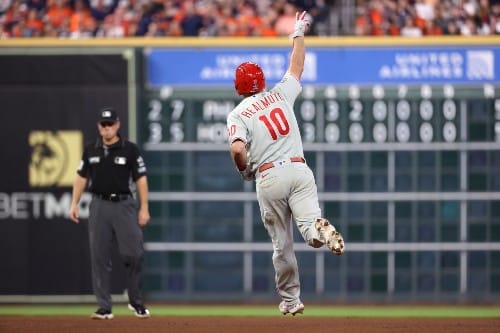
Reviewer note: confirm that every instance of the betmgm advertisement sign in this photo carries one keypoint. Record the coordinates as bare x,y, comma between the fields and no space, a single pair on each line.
49,106
54,158
37,239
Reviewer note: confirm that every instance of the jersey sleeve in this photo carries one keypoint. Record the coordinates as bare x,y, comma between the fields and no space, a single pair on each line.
83,166
290,87
236,129
138,166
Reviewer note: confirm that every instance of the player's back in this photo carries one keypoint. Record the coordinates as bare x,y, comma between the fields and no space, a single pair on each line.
273,132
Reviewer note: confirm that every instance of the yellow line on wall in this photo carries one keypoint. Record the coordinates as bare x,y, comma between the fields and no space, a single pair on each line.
174,42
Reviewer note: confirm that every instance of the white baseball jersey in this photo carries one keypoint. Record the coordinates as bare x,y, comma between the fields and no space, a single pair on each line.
266,123
266,119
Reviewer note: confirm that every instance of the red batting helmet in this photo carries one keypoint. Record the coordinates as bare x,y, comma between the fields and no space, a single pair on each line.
249,78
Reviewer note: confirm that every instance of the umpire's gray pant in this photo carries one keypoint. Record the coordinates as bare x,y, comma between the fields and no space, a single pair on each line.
109,221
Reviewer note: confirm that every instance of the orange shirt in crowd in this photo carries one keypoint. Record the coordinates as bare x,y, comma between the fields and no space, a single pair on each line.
33,22
80,19
267,32
57,13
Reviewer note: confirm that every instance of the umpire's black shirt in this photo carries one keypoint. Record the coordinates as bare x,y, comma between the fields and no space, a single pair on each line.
111,168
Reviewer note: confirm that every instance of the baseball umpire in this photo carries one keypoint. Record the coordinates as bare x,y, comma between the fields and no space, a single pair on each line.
110,166
266,146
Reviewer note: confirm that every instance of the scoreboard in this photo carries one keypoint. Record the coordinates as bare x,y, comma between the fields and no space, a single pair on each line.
420,134
398,165
333,115
408,171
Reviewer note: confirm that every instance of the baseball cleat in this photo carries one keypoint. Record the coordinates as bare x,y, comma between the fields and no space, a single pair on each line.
102,314
293,310
140,311
330,236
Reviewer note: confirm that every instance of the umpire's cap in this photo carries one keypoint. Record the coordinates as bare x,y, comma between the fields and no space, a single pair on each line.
108,114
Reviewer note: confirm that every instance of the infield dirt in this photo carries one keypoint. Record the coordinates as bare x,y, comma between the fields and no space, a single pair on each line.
288,324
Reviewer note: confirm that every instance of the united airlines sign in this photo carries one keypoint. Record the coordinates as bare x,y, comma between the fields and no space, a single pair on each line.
323,66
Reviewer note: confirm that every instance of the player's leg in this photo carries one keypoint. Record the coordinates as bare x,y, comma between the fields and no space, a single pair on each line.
276,216
304,204
131,248
101,240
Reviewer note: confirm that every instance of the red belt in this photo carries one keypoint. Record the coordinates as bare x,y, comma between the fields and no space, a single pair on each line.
270,165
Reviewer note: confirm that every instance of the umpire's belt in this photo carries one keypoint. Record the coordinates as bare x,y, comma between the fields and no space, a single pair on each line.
270,165
112,197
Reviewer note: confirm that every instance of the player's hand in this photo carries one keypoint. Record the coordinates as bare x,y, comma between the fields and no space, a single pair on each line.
248,173
143,217
73,214
301,25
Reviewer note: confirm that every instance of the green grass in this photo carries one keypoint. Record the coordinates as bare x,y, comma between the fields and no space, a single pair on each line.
266,311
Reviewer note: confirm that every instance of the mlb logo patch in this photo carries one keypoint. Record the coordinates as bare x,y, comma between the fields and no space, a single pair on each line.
94,159
120,160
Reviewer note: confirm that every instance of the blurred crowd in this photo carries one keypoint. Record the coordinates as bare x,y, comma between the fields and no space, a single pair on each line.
157,18
427,17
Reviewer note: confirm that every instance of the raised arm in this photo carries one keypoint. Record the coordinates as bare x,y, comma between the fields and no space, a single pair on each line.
298,55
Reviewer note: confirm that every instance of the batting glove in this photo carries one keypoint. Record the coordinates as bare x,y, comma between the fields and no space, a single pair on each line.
301,25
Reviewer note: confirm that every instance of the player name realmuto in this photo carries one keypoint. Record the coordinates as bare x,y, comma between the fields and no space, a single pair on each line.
262,104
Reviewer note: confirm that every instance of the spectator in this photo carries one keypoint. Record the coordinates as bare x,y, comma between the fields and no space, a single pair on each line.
15,15
320,12
377,18
248,21
192,22
266,28
431,29
34,24
166,20
424,10
99,9
144,17
4,6
285,22
410,29
469,27
394,28
406,10
39,5
58,12
363,23
452,28
495,19
81,24
18,29
122,18
226,24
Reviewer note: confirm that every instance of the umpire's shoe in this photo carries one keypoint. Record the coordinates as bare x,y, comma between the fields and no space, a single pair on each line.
139,310
102,314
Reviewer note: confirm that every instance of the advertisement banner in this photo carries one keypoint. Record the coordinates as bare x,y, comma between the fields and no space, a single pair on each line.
325,66
49,109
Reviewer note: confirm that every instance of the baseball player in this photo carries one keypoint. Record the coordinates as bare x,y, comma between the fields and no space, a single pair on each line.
108,166
266,146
